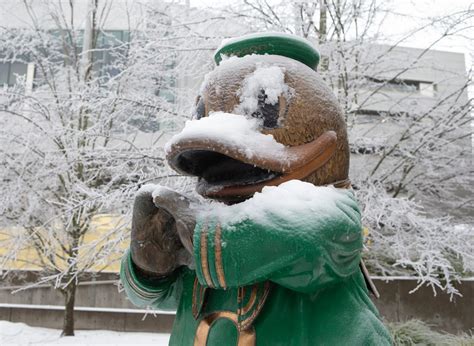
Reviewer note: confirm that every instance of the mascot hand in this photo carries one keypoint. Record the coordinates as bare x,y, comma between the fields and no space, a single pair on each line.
156,247
179,207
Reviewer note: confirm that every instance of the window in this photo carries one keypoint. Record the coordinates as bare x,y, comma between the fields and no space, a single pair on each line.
145,122
401,86
427,89
169,125
10,71
422,88
366,145
4,73
111,47
165,83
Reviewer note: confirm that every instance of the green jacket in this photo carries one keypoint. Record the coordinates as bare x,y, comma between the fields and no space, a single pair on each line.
274,278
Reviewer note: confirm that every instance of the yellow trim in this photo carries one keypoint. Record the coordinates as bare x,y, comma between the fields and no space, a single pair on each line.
218,253
245,324
204,262
251,302
245,338
194,303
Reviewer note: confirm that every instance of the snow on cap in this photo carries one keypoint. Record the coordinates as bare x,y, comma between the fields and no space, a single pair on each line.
273,43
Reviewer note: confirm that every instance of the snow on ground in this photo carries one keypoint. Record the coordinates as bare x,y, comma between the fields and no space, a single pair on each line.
22,334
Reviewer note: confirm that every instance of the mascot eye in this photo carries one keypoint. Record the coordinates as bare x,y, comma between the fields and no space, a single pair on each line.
267,111
200,109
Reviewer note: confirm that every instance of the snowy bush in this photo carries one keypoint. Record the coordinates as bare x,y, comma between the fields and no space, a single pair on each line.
404,241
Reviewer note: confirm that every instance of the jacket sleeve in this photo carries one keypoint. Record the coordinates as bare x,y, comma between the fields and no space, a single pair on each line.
143,292
302,251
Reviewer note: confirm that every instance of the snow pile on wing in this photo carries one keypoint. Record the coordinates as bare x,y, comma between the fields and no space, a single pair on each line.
234,132
295,201
270,79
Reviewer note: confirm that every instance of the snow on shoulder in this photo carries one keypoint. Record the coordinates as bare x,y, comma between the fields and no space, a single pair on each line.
232,130
296,201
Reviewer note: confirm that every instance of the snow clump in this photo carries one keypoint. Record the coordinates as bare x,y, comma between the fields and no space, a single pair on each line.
300,203
270,79
233,131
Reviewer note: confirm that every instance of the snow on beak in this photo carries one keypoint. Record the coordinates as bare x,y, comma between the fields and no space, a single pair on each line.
235,160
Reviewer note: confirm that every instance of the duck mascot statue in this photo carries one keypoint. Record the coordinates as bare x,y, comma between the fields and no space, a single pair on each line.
272,254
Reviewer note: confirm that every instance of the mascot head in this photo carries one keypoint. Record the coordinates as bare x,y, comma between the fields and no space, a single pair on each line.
271,78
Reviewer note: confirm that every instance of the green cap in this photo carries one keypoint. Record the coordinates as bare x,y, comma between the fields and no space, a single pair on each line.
291,46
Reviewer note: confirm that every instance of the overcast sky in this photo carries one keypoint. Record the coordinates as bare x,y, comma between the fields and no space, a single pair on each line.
397,25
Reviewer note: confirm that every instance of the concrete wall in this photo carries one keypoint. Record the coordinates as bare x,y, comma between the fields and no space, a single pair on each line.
101,306
86,319
454,316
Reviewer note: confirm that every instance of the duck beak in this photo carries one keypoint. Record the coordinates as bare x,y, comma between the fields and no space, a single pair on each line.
296,162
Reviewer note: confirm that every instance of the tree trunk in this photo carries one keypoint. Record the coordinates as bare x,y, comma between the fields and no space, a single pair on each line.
323,66
69,300
322,21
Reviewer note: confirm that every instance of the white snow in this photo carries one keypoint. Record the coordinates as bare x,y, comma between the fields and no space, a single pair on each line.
270,79
21,334
146,189
229,60
294,200
160,190
234,131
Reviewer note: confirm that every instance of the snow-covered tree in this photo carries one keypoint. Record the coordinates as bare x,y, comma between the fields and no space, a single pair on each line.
82,138
411,141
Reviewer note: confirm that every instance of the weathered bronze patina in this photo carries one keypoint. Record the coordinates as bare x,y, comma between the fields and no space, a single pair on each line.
287,280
